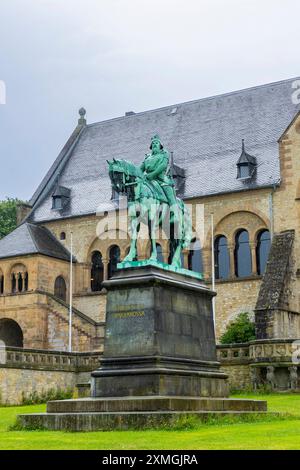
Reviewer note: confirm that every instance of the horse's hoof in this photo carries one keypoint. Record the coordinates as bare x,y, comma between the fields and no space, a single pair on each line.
127,258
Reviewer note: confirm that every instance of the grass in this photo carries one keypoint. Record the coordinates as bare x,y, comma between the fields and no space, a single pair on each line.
267,433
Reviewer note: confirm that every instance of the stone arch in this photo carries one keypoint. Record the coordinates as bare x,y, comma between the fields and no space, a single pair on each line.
11,333
103,244
235,221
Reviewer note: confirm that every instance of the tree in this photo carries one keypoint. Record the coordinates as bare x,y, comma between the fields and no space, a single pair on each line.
240,330
8,216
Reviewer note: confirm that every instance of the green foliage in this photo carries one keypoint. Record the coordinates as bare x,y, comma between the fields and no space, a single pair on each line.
261,389
8,216
36,398
240,330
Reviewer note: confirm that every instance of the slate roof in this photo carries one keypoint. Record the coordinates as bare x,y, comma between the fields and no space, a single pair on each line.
29,239
205,136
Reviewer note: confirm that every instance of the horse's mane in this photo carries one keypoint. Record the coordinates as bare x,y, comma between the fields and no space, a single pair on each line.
127,167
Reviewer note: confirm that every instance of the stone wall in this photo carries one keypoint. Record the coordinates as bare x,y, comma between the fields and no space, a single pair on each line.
270,363
26,371
44,321
17,384
234,297
92,304
238,376
265,362
273,315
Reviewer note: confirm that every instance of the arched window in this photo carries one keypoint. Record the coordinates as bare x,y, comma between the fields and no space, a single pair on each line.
19,279
222,259
62,236
114,259
11,333
1,283
60,288
160,257
242,254
96,271
195,262
262,250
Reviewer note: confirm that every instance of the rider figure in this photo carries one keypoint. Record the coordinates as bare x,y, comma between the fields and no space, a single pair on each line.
156,167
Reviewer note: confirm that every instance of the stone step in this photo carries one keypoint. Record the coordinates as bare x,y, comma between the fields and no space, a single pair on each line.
154,403
116,421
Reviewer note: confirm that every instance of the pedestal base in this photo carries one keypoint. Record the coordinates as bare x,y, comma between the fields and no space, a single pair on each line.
159,337
159,363
96,414
159,376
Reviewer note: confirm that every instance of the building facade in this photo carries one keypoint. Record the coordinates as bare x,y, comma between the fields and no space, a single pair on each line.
236,163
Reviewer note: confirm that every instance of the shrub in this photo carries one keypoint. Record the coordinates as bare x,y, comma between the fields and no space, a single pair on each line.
36,398
240,330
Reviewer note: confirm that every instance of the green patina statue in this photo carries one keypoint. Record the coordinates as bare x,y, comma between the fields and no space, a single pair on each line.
150,191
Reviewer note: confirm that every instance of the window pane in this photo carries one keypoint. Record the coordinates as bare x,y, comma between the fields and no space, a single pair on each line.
57,203
243,265
244,171
222,259
195,262
114,259
96,272
262,250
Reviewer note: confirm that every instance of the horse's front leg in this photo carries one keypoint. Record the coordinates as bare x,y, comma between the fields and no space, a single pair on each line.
153,225
176,260
135,225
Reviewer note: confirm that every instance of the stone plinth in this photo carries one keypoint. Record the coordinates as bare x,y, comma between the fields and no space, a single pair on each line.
159,337
159,361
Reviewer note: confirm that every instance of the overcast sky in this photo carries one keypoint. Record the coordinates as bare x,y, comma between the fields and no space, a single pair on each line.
112,56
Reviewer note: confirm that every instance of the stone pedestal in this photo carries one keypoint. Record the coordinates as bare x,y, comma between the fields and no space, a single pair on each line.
159,337
159,359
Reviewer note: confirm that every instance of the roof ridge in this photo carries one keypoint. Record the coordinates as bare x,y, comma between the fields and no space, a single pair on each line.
207,98
64,154
32,236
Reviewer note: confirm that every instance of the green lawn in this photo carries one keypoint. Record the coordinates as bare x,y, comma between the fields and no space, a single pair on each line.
268,433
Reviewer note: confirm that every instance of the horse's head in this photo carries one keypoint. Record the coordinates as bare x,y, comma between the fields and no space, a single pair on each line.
122,174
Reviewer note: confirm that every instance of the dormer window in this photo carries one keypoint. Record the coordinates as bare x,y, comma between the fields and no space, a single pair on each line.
60,198
246,165
244,170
